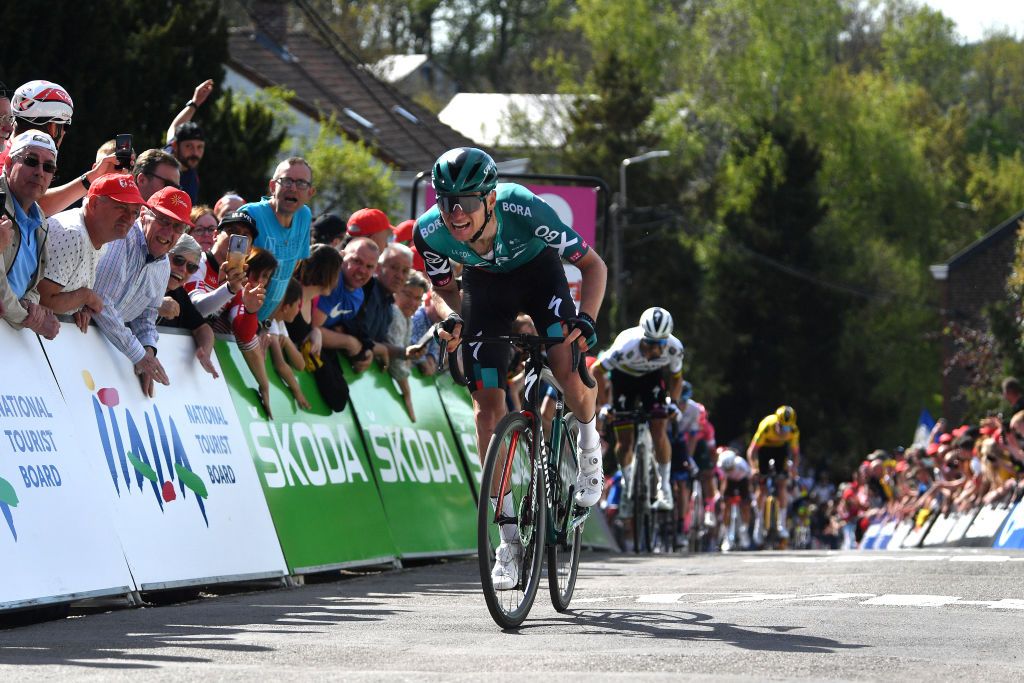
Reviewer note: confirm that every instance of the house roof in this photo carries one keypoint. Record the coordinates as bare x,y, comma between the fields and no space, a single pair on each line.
488,117
394,68
327,80
1005,229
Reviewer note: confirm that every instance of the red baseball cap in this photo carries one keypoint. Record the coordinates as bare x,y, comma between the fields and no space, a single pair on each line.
932,448
118,186
403,231
173,203
417,261
945,438
366,222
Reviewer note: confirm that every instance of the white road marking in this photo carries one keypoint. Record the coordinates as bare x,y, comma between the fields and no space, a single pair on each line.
887,600
833,597
752,597
912,600
661,598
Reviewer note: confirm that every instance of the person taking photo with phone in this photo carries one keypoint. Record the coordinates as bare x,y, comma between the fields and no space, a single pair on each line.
217,279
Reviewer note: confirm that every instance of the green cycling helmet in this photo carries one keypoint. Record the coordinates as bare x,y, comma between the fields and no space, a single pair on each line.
464,170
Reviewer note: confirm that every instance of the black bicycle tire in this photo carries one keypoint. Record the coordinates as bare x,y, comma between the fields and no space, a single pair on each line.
485,551
561,593
696,516
642,516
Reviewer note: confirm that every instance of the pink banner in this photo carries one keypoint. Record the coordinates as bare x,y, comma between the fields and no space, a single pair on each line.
576,206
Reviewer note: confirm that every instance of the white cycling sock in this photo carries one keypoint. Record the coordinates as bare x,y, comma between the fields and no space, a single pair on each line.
782,517
664,474
509,532
589,438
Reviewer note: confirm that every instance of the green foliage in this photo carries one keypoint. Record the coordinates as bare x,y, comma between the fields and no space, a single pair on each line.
244,136
346,174
129,65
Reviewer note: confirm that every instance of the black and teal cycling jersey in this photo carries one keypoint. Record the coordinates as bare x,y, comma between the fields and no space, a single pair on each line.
527,226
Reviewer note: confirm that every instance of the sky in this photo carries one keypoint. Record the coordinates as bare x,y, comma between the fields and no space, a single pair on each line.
973,17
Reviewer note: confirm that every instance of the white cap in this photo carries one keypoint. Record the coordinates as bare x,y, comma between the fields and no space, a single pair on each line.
32,138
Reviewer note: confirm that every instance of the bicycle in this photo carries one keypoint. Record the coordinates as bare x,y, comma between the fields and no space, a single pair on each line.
541,476
766,528
642,480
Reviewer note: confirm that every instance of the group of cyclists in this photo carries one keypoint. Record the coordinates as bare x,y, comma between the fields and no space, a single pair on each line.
511,246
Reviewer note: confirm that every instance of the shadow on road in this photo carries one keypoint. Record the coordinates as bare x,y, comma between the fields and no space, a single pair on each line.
694,626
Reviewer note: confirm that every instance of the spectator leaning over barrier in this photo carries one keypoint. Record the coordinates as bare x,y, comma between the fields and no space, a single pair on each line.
407,300
47,107
132,277
177,309
205,231
318,275
375,316
335,313
215,283
28,170
423,321
283,220
283,352
76,242
372,223
244,323
154,170
186,142
330,230
229,202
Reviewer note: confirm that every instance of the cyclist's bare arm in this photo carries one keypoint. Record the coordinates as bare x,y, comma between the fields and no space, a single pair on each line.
752,455
675,386
598,372
595,277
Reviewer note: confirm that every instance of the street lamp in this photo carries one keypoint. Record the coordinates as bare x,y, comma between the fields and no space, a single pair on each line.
619,318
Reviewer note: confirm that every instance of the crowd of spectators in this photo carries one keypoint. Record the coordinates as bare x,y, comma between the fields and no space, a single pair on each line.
127,247
956,469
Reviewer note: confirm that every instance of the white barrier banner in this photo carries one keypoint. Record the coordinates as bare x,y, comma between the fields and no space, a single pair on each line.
189,505
57,537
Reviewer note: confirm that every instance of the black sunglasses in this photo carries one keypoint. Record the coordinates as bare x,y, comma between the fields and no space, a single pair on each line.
166,181
468,202
32,162
179,260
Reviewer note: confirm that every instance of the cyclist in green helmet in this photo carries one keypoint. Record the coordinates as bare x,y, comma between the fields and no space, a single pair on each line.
512,244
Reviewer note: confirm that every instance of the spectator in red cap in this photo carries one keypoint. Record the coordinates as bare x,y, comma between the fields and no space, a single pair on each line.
131,278
27,173
76,243
403,232
372,223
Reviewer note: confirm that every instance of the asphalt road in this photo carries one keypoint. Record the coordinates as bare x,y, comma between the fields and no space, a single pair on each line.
952,615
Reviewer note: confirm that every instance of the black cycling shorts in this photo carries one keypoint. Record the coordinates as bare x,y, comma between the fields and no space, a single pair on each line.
646,390
739,488
778,453
703,456
490,303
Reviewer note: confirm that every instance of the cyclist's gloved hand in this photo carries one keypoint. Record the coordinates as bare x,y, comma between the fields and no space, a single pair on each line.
448,325
587,327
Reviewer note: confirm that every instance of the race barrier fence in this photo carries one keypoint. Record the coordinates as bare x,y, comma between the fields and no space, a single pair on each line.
106,492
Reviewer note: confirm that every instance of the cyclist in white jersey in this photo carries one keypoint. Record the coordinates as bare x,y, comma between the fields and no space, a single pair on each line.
737,483
638,360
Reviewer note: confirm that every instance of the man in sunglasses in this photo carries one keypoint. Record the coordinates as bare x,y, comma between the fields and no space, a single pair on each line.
154,170
177,309
283,220
513,245
27,172
215,282
777,438
76,241
131,279
637,362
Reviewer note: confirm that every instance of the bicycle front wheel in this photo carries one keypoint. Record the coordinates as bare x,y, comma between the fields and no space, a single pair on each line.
564,550
696,517
512,458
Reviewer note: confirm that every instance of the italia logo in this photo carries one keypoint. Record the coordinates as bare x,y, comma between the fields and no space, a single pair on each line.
163,469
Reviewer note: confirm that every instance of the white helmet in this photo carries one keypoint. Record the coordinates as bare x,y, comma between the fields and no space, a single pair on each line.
656,323
43,102
727,459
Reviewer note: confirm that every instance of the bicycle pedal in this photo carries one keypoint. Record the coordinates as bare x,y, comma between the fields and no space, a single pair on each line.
579,516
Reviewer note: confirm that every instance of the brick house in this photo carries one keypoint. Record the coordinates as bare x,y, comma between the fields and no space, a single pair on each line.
968,282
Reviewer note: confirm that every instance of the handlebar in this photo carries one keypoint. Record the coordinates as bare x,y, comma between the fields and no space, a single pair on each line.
533,344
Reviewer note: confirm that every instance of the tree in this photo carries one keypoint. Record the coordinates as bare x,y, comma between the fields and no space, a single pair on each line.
346,175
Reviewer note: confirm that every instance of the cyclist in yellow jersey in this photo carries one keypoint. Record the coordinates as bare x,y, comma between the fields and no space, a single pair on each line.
777,438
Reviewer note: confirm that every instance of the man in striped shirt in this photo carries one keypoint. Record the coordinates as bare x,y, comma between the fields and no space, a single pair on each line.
131,278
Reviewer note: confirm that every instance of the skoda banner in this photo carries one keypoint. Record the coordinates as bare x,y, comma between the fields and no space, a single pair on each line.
57,537
426,493
316,477
188,504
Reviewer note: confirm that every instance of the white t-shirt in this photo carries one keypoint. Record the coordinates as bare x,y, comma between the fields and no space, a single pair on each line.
71,257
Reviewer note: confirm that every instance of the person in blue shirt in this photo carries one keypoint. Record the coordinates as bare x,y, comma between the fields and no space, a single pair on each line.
284,222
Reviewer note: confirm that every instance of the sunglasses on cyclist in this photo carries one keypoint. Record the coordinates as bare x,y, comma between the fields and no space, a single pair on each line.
179,261
468,202
32,162
655,342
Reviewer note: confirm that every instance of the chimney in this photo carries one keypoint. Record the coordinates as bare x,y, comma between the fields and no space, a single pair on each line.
271,18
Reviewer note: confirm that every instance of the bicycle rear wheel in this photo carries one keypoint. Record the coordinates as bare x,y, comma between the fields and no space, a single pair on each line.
564,550
512,437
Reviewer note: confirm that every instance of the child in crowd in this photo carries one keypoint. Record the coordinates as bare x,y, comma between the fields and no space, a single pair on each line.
241,318
407,300
283,351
